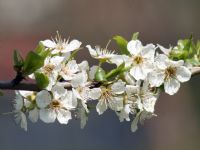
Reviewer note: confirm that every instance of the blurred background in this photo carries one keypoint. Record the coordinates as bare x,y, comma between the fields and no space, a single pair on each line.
25,22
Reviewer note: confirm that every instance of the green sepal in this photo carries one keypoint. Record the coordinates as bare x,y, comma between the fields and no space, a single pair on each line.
100,75
135,36
113,73
122,44
41,80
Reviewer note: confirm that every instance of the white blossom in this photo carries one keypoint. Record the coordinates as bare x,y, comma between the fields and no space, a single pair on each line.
20,116
169,72
61,46
58,106
142,58
99,53
51,68
110,96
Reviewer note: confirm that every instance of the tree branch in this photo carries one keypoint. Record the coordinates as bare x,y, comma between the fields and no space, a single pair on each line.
8,85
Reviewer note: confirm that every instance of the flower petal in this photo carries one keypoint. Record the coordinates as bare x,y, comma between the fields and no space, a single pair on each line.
43,98
47,115
101,106
34,115
118,87
171,86
156,78
49,43
183,74
63,116
134,47
116,103
138,73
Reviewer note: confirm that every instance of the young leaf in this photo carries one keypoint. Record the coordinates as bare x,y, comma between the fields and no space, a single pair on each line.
135,36
17,61
41,50
32,62
122,43
41,80
100,75
115,72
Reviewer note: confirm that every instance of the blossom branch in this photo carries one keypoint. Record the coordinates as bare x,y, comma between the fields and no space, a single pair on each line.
7,85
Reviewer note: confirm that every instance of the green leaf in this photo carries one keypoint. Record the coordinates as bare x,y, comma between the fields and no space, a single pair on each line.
135,36
100,75
41,80
40,47
113,73
1,93
41,50
17,61
32,62
122,43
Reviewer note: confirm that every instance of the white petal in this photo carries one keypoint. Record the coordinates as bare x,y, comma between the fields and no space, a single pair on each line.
49,43
124,113
130,90
116,103
118,87
70,101
134,47
43,98
129,78
83,117
156,78
101,106
79,79
148,51
161,61
138,73
149,103
92,51
134,125
119,59
18,101
166,51
56,60
47,115
58,91
34,115
84,65
25,93
183,74
92,72
20,118
63,116
171,86
95,93
73,45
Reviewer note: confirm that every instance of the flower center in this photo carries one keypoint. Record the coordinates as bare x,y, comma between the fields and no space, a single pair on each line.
170,72
137,59
49,68
55,104
106,94
60,46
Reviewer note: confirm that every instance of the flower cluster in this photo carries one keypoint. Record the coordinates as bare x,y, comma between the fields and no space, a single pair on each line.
73,89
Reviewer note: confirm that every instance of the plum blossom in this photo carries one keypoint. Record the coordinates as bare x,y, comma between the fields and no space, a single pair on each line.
57,106
110,96
61,46
169,72
142,58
